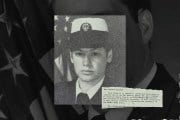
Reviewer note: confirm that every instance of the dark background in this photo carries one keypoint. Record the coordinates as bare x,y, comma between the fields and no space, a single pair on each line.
166,41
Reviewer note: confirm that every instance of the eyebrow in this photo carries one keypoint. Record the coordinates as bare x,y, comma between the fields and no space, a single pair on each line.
91,49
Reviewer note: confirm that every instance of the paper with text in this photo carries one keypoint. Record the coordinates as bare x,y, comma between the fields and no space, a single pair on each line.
117,97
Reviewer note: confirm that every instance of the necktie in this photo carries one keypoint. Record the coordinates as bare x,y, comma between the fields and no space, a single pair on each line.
83,99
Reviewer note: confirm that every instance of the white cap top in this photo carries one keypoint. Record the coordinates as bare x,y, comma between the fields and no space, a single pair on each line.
86,24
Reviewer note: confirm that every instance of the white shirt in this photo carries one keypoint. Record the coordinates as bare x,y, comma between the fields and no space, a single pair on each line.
91,92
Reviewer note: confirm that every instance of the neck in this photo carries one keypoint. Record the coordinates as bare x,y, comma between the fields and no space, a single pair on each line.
86,85
142,74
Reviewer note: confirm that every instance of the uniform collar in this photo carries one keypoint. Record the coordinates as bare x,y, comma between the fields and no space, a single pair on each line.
91,92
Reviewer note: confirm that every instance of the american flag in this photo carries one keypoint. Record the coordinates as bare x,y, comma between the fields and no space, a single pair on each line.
26,45
62,27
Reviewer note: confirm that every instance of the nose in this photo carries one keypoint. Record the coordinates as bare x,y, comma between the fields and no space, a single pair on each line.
87,61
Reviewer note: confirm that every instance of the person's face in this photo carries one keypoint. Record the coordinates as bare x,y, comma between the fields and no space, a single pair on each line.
90,63
136,45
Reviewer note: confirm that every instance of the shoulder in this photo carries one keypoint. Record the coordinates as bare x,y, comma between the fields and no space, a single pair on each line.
64,84
110,82
62,91
170,91
164,81
163,76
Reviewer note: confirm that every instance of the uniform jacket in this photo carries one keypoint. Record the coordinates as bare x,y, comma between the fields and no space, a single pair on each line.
161,81
171,106
65,92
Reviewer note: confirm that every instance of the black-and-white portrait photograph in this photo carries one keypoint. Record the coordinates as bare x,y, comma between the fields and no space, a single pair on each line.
89,55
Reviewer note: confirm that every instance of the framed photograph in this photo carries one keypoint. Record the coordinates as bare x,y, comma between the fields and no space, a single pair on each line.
90,53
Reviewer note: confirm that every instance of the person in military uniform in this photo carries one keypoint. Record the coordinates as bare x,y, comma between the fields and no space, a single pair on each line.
90,54
141,70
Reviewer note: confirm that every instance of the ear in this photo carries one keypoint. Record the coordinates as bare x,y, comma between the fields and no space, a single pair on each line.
145,22
71,57
109,56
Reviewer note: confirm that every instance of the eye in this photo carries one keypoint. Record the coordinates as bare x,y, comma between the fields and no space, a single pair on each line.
95,54
79,54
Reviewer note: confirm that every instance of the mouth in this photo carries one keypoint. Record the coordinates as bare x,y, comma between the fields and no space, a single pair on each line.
87,72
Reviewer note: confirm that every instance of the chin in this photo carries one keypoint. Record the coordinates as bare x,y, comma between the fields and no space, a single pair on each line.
87,78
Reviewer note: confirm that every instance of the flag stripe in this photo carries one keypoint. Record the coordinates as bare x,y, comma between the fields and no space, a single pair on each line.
48,106
36,111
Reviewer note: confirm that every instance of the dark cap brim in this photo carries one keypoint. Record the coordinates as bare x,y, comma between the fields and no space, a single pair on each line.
90,39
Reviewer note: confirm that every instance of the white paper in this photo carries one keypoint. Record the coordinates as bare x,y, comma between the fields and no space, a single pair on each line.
117,97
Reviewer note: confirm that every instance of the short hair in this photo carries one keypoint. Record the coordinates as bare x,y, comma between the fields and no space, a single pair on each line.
135,5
